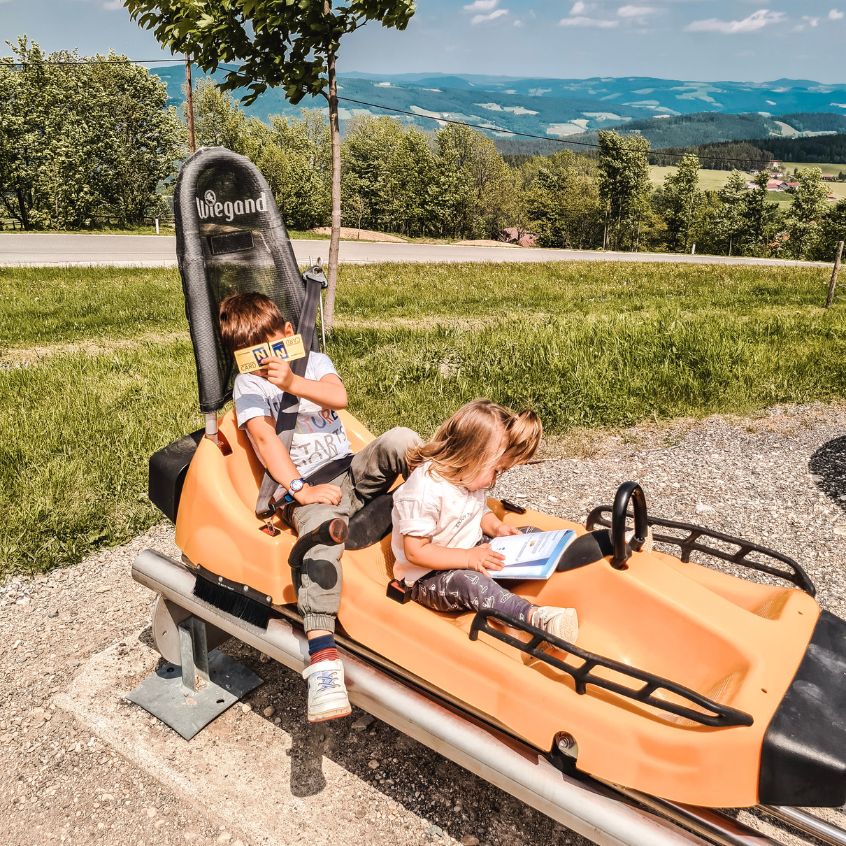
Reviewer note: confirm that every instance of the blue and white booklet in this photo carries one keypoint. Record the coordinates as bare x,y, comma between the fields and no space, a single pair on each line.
531,556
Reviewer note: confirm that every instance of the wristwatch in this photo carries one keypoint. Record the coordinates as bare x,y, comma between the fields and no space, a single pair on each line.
295,487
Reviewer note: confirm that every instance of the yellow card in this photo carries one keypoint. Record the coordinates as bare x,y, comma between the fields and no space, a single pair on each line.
250,358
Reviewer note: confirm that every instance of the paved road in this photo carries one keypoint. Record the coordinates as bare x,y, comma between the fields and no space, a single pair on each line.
160,251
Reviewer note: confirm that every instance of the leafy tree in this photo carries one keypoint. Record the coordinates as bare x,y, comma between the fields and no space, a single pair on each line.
474,187
82,139
218,120
292,45
296,159
760,219
562,200
832,230
369,149
807,210
679,202
729,221
624,186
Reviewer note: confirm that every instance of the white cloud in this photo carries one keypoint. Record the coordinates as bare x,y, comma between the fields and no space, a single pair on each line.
836,15
492,16
753,23
518,23
481,5
579,8
636,11
595,23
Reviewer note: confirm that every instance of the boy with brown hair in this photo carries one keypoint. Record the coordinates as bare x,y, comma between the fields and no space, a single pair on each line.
319,440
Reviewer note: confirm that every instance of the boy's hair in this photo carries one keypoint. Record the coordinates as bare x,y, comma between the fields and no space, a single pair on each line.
247,319
477,434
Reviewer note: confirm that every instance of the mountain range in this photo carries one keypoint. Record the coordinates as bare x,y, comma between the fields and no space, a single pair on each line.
661,109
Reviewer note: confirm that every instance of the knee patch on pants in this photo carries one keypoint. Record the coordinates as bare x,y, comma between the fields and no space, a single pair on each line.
322,573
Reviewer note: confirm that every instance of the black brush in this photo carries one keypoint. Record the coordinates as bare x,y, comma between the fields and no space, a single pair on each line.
233,602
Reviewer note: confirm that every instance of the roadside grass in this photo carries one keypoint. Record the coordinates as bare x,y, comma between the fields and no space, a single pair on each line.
588,346
43,306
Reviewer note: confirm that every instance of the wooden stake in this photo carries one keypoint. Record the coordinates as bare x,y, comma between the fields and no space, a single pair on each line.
833,284
189,106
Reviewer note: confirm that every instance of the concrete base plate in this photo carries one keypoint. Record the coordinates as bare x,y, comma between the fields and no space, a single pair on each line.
188,711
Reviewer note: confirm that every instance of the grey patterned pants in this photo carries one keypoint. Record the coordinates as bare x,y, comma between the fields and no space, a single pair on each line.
372,472
467,590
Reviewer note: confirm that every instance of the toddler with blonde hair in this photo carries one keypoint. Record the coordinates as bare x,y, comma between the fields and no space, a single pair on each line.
440,516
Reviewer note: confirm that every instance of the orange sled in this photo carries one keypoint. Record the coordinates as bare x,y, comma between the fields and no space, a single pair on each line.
686,683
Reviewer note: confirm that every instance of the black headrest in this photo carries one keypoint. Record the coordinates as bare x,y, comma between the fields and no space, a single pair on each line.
230,238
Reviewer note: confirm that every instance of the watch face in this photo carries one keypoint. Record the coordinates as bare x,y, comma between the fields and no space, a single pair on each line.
296,485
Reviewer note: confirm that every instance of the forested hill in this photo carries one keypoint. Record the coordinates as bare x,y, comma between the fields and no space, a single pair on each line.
708,128
758,153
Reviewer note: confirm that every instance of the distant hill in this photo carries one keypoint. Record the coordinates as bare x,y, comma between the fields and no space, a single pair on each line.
560,108
709,128
757,153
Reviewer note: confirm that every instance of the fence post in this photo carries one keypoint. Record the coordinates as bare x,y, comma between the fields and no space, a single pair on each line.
157,226
833,284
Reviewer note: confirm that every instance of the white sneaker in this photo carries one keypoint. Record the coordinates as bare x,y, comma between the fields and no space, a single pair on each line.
327,695
562,623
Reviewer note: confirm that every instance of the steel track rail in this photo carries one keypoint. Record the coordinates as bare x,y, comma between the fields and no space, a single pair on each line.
606,814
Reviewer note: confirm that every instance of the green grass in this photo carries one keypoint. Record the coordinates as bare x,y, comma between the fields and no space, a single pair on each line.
99,374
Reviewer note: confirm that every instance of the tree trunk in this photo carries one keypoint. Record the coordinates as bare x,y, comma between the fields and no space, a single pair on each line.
335,237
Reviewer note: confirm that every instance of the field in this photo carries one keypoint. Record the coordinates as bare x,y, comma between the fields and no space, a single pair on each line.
96,371
713,180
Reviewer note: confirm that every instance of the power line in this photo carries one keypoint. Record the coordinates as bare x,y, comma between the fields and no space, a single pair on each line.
514,132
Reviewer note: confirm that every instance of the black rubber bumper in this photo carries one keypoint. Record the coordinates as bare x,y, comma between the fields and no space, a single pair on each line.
168,467
803,758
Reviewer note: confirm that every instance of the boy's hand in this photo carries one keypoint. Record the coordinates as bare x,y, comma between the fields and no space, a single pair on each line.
325,494
278,372
482,558
503,530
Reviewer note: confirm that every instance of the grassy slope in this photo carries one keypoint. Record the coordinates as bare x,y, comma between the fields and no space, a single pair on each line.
713,180
97,372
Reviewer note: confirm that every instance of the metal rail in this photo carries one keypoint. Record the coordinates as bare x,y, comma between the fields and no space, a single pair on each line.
808,824
713,714
689,543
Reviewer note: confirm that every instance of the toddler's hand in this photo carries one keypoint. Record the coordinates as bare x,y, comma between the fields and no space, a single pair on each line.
326,494
503,530
482,558
278,372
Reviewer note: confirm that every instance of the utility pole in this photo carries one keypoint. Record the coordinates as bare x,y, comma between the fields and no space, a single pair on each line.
189,106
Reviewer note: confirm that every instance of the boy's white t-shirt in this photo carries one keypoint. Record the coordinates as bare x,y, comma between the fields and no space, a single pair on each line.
319,435
429,506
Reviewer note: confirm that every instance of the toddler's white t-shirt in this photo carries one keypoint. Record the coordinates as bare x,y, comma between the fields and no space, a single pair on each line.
428,506
319,435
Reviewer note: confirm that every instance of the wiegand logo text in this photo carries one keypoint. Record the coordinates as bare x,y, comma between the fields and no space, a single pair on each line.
210,207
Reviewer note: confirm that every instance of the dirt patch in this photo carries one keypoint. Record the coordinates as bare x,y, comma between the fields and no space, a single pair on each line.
29,356
348,233
485,242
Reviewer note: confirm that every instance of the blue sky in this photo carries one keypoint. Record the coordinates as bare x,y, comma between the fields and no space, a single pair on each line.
686,39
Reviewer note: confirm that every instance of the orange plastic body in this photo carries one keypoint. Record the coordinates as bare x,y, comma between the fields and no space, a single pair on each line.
735,641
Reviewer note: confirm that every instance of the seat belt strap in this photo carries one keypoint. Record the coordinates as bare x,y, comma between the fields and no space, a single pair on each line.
286,418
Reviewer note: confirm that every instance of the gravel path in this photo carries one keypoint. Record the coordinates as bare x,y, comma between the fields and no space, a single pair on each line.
778,478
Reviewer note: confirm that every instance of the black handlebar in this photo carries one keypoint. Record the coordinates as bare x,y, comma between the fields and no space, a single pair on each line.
628,492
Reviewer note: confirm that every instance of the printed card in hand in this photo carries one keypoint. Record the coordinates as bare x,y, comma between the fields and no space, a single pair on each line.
531,556
289,348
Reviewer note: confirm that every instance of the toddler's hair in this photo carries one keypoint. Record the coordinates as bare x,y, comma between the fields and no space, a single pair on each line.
476,435
247,319
524,431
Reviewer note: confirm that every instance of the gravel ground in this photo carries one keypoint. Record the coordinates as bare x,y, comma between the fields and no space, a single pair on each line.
778,478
